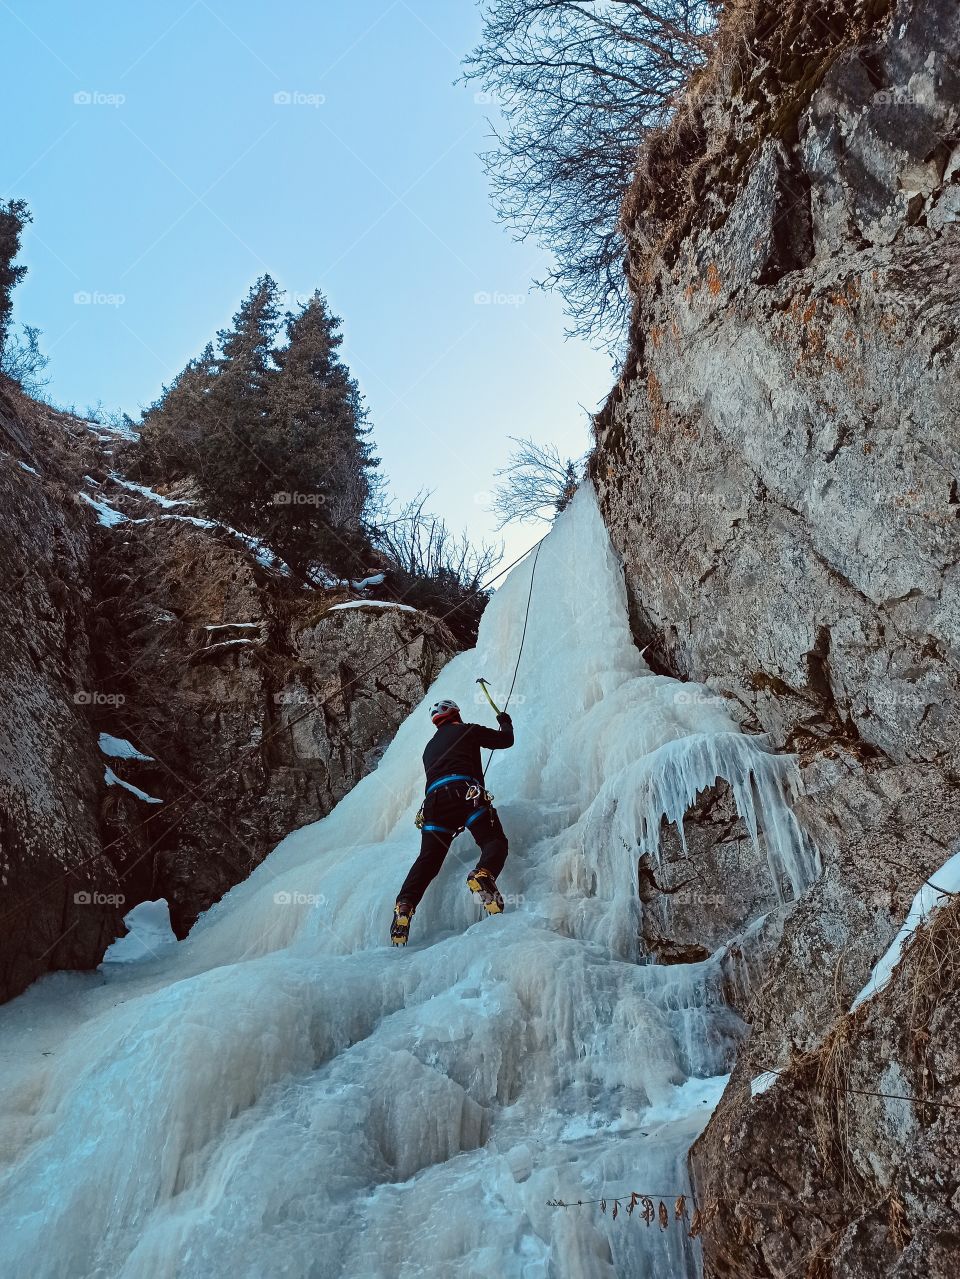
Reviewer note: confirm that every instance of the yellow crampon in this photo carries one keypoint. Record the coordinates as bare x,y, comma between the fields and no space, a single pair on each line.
483,885
400,928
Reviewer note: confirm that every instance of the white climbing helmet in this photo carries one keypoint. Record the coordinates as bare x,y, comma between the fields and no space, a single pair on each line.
442,711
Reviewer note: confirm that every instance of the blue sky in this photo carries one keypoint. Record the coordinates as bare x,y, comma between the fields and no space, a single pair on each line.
172,152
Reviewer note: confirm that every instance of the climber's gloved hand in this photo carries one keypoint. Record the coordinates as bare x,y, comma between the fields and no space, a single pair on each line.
504,720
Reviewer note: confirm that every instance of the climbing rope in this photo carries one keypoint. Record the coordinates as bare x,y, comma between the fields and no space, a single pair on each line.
523,636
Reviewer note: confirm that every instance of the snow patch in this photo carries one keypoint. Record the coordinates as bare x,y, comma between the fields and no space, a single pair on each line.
107,515
764,1081
406,608
110,777
149,493
24,467
119,748
188,519
937,890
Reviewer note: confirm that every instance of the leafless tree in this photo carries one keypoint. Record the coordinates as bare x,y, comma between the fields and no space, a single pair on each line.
23,362
579,84
538,482
421,544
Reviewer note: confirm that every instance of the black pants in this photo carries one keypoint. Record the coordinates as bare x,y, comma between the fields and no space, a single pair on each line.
449,809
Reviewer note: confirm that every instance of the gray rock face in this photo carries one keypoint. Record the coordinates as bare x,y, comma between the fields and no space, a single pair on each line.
256,706
59,890
779,467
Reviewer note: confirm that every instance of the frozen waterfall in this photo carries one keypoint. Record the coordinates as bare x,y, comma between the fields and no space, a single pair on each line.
283,1094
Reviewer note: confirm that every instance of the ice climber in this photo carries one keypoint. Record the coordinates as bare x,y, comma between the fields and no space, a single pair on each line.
455,800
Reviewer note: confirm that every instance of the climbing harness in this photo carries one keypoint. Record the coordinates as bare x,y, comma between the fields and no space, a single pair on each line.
447,781
476,792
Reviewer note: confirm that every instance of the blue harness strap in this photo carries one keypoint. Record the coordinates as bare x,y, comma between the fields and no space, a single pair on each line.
473,816
444,830
445,781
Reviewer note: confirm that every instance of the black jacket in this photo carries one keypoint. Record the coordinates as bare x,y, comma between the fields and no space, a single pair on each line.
455,748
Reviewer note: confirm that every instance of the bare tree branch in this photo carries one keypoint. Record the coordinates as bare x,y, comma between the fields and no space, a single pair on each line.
580,83
538,484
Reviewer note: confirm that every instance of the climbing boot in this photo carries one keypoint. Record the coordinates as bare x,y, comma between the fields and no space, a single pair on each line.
484,886
400,928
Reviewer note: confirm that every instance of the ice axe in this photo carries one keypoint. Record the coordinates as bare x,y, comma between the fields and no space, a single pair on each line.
496,708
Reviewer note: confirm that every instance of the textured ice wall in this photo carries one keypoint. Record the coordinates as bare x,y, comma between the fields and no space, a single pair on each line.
288,1095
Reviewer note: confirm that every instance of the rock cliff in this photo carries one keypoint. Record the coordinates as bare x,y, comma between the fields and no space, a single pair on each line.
174,704
779,467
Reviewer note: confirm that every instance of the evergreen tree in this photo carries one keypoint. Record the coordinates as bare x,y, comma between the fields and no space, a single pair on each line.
274,435
235,479
317,441
174,425
14,215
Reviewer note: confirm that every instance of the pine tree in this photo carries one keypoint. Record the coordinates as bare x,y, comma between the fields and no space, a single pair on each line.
318,444
174,425
275,436
14,215
235,479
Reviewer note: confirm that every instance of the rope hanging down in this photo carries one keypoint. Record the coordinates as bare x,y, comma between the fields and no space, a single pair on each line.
523,636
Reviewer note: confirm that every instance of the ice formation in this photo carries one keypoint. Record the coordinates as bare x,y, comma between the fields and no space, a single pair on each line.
932,894
284,1094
